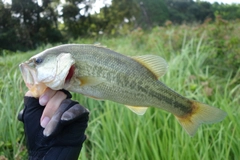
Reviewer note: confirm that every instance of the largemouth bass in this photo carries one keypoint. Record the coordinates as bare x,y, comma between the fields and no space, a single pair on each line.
104,74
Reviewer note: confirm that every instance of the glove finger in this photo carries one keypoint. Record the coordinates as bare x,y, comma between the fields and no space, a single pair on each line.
75,112
20,115
30,104
54,124
69,95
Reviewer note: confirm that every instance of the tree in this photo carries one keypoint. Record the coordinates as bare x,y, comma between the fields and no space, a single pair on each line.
76,17
154,12
117,15
8,24
26,24
203,11
228,12
189,11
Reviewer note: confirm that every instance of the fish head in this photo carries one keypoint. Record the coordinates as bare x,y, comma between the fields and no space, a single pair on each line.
50,68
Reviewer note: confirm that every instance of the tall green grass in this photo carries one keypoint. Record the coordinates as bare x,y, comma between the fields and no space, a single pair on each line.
114,132
117,133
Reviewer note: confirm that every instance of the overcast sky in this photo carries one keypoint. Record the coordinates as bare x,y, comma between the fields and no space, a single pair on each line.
223,1
100,3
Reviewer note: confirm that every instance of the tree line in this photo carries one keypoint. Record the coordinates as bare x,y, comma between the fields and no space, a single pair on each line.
27,24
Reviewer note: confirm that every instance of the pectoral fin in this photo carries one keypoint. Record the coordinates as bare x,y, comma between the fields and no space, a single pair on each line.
90,81
138,110
156,64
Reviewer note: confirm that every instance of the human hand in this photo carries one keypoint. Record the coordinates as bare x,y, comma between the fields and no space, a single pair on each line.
51,99
64,134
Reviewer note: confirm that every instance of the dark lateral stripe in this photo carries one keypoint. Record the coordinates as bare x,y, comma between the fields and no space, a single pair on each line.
184,107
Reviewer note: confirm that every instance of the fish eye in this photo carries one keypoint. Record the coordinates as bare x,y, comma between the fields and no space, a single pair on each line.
38,60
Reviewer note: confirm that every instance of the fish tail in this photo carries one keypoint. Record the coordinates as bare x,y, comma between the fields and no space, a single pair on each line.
201,113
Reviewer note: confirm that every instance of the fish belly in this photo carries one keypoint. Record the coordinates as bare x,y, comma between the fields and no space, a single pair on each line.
146,94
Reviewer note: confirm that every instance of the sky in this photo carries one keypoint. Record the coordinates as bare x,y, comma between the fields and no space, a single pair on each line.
100,2
223,1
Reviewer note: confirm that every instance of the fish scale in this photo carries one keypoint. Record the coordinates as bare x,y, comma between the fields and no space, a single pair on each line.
131,70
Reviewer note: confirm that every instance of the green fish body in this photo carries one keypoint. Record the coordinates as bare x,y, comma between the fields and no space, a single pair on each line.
101,73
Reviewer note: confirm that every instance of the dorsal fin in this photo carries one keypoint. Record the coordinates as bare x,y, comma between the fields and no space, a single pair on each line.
99,45
156,64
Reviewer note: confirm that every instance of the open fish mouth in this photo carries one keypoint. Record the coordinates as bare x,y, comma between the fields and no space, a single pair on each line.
29,75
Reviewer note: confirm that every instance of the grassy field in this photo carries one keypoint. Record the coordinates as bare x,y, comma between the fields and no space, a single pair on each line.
203,65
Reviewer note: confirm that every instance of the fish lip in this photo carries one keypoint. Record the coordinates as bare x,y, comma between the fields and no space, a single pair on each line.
27,73
30,78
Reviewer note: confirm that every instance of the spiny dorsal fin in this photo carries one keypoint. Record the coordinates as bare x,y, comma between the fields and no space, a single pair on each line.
137,109
99,45
156,64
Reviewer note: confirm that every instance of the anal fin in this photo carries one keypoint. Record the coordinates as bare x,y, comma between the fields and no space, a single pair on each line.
137,109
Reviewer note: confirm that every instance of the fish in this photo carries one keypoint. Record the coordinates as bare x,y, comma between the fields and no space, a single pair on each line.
101,73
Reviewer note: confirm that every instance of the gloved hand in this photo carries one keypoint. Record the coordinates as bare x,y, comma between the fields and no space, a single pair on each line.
63,136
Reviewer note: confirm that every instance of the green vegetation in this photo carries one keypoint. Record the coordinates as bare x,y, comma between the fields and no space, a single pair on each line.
28,24
204,65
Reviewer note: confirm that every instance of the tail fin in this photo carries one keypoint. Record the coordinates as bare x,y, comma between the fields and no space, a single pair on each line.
201,113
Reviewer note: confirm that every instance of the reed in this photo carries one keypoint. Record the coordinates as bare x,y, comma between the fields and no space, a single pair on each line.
114,132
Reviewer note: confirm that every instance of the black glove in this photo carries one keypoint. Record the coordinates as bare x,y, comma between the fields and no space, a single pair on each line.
65,131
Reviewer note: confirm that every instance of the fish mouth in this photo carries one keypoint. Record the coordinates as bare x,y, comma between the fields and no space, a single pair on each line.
29,75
